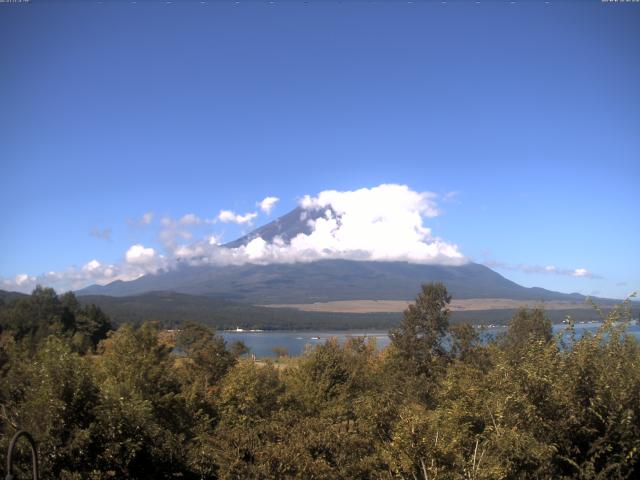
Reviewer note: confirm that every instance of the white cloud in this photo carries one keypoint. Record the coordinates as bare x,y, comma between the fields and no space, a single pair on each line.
72,278
268,204
228,216
138,254
20,283
380,223
383,223
383,201
552,269
91,266
139,260
22,279
190,219
581,272
246,218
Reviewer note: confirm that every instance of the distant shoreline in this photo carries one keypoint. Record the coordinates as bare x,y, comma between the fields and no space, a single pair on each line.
457,305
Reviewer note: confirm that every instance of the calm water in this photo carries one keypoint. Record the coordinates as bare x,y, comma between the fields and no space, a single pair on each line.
261,344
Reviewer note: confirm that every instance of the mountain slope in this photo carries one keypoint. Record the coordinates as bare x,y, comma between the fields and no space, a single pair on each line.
324,280
6,296
327,280
286,227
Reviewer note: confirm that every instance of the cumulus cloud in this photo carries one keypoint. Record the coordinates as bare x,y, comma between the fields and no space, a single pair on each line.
69,279
387,201
22,282
138,254
22,279
268,204
380,223
138,260
383,223
228,216
92,266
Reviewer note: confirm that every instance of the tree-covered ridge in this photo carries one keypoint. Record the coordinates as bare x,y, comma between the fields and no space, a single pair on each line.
32,318
436,404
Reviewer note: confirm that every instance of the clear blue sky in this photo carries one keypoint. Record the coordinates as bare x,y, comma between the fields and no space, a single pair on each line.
531,111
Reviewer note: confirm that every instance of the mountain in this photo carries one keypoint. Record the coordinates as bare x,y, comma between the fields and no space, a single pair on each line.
324,280
327,280
285,227
7,297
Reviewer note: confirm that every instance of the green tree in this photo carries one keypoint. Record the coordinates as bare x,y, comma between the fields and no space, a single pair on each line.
207,354
142,422
239,348
45,313
53,396
419,341
37,316
525,327
93,324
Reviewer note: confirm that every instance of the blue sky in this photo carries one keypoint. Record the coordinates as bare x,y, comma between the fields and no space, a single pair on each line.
528,110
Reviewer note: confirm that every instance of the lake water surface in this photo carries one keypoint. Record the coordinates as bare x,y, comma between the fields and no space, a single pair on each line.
261,344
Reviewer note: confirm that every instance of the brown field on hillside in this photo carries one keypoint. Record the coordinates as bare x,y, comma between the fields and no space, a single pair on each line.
469,304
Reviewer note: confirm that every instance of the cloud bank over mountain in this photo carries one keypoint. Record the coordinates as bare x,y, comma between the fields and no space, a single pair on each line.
384,223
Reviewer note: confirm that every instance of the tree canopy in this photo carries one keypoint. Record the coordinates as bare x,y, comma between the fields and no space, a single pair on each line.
438,403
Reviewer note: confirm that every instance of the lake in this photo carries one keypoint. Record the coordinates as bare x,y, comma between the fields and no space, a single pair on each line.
261,344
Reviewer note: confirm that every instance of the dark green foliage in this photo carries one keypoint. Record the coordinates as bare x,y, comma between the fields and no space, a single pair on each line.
208,359
139,419
52,395
239,348
171,309
527,327
419,339
43,313
437,403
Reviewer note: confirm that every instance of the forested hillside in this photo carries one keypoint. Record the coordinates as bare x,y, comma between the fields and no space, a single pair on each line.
326,280
171,309
437,403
